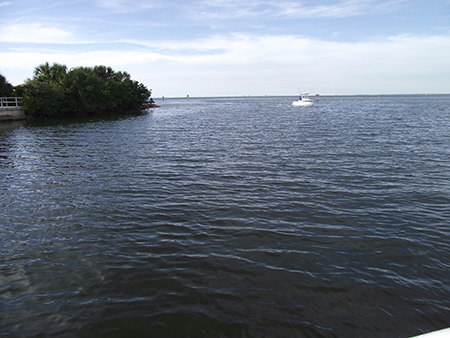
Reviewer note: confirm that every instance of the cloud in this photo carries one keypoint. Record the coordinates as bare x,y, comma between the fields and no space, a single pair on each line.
342,9
125,6
3,4
232,9
257,65
34,33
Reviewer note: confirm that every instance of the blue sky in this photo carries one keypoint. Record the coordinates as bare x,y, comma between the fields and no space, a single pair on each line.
230,47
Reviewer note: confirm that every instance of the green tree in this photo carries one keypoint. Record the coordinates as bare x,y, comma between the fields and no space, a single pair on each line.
44,94
42,99
81,91
105,73
6,89
53,74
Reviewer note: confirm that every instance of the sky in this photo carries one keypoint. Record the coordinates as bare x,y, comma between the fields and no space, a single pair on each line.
237,47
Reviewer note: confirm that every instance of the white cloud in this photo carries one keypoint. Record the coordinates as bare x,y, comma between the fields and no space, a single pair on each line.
272,65
341,9
232,9
34,33
124,6
3,4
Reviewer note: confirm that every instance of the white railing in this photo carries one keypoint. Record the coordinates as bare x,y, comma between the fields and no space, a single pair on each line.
10,102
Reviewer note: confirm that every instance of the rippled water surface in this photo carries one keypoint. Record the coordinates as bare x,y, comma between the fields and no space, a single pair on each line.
229,217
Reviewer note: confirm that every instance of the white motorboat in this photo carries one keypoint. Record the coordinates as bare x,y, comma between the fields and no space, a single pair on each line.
304,100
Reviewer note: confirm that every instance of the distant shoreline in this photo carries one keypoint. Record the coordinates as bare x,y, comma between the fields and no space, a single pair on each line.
160,99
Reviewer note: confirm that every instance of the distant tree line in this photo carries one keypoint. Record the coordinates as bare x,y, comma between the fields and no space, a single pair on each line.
55,91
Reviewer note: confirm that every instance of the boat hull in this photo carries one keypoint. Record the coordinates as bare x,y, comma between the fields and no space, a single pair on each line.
303,103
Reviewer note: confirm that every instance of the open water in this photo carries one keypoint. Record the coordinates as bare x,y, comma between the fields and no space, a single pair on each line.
229,217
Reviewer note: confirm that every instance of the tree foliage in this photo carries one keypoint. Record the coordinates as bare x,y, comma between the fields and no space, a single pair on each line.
6,89
56,91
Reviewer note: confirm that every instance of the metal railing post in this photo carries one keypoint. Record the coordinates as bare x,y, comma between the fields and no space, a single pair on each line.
6,102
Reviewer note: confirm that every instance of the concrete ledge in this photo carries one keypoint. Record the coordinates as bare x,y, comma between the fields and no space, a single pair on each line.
11,114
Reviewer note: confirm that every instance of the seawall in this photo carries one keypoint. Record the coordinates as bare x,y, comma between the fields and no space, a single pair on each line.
11,113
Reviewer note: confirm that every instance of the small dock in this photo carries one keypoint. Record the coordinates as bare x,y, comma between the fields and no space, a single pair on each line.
11,109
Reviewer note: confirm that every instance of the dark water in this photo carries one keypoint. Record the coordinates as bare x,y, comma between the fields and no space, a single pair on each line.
229,218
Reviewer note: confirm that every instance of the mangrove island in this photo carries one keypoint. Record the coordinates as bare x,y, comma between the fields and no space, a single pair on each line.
55,91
